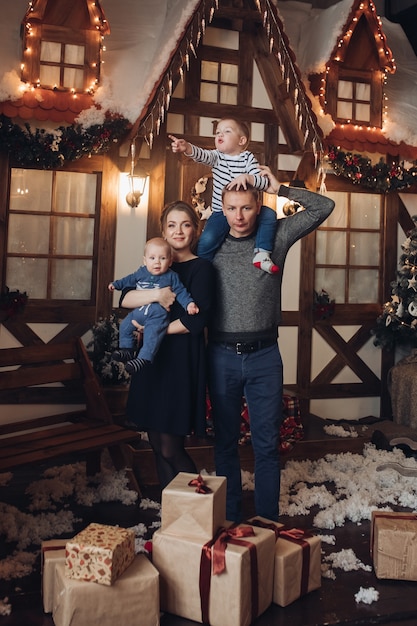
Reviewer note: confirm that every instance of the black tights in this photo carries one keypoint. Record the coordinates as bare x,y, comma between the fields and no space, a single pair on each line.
170,456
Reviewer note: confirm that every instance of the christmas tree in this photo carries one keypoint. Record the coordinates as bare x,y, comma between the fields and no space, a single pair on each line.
397,324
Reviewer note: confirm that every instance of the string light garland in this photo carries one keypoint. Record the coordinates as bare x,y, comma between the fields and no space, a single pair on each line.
380,176
49,150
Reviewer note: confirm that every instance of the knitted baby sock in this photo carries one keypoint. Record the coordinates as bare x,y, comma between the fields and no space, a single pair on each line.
136,365
263,261
123,355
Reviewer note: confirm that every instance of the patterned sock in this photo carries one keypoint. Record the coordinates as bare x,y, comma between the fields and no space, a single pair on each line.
136,365
123,355
263,261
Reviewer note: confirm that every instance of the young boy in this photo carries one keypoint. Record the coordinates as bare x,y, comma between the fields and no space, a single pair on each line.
155,273
232,166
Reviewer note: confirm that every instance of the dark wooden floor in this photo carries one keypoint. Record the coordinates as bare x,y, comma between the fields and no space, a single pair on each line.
333,604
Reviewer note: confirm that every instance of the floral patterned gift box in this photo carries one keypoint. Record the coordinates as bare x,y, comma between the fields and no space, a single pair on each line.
99,553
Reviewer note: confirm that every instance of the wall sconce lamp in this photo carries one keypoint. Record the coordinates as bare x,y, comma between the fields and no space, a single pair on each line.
137,180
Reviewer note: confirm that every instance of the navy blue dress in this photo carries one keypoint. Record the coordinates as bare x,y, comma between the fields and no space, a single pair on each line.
169,396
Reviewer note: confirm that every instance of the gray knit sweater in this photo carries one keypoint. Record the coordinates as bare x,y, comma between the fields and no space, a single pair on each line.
248,300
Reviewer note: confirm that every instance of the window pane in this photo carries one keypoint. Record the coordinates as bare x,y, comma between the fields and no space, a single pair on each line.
75,192
30,190
228,73
365,210
344,110
345,89
28,234
363,286
71,279
73,79
74,236
364,248
28,275
363,91
338,217
330,248
363,112
209,71
74,54
49,75
228,95
208,93
50,51
332,281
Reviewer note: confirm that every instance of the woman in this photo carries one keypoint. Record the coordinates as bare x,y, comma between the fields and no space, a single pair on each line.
167,400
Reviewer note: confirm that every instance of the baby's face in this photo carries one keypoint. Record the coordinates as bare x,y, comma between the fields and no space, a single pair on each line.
229,139
157,259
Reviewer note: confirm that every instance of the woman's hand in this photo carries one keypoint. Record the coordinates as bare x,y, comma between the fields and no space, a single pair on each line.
166,297
141,297
274,183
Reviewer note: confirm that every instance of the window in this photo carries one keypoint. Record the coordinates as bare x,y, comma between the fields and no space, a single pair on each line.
52,228
219,82
348,249
62,65
354,101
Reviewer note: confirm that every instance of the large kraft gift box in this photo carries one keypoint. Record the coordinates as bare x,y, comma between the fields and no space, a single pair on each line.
297,567
133,600
52,552
193,506
190,587
99,553
394,545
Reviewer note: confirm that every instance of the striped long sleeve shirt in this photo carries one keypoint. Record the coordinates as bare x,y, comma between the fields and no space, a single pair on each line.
226,167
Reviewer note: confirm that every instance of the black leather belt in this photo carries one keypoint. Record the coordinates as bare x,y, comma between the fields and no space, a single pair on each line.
246,347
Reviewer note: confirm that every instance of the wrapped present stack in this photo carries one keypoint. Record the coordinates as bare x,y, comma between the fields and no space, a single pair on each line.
394,545
95,577
223,574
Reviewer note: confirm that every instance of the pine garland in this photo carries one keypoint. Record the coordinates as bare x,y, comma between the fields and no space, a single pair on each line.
380,176
50,150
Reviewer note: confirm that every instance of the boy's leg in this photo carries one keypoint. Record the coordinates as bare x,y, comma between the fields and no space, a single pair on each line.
264,242
127,340
213,235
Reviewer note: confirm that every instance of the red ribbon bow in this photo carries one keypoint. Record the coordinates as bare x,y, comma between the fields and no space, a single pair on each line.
235,535
200,485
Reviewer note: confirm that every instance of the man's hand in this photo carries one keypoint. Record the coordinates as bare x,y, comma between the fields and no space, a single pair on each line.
180,145
274,183
241,182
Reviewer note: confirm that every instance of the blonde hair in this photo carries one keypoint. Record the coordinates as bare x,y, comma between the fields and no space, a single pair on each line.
243,128
161,243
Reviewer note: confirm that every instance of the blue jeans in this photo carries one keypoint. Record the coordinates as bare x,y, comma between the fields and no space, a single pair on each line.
216,230
257,376
155,319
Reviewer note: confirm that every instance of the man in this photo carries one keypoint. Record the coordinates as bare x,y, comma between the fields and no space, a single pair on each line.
244,357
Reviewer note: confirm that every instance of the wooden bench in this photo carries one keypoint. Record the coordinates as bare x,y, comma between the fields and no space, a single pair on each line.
34,375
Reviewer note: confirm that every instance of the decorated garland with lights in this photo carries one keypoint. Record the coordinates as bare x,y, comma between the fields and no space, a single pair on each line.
380,176
50,149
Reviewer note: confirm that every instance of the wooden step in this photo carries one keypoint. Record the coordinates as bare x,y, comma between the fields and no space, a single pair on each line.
315,445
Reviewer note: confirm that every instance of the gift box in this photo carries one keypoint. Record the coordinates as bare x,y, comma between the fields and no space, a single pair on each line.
52,552
297,567
133,600
194,585
193,507
99,553
394,545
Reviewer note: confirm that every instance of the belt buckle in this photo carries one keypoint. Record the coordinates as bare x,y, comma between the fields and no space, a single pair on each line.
239,347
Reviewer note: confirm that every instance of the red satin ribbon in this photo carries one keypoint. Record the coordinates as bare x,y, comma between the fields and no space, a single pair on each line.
298,536
200,485
213,558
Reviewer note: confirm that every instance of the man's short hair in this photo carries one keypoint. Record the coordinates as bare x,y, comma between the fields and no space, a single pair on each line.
255,192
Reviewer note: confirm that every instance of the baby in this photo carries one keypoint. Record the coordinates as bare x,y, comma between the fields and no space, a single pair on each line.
155,273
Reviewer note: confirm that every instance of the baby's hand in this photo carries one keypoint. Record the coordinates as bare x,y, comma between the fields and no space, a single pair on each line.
178,145
192,309
110,287
241,182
